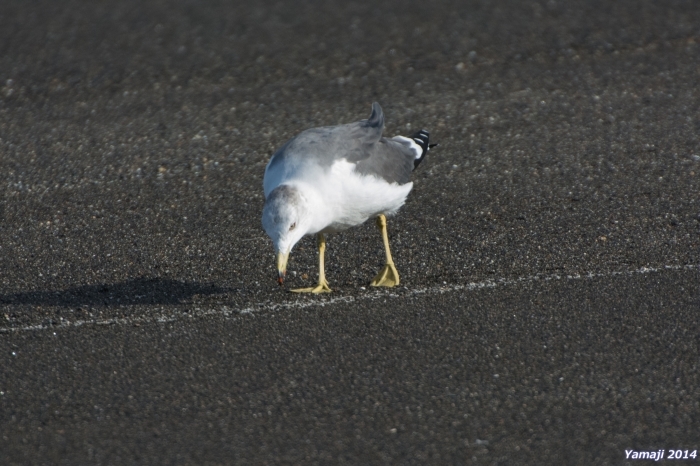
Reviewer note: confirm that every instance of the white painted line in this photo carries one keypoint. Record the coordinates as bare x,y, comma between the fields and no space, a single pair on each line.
227,312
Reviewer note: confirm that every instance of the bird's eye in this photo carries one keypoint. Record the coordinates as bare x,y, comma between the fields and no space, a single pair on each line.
293,226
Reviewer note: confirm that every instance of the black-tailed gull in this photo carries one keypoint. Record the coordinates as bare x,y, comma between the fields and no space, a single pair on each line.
328,179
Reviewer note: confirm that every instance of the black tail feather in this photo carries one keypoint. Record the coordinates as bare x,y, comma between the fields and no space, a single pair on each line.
422,138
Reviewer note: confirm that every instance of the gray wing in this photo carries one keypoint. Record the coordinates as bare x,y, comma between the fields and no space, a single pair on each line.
360,143
389,159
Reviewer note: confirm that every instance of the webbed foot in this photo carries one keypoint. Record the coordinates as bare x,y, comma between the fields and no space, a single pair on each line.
322,287
388,276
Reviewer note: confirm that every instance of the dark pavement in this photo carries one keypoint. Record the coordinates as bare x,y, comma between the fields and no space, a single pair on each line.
550,297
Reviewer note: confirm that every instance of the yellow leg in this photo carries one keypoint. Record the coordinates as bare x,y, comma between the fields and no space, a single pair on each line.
322,286
388,276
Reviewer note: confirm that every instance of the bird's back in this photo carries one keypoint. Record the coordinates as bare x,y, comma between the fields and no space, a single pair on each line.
361,143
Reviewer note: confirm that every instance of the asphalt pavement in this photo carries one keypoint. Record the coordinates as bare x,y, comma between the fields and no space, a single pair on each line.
549,304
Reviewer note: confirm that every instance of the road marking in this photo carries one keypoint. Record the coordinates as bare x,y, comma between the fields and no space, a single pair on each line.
225,311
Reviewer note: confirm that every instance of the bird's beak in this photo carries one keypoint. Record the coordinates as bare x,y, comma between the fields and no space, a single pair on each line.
281,266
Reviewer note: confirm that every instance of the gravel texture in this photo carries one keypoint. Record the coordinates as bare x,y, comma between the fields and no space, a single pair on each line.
548,310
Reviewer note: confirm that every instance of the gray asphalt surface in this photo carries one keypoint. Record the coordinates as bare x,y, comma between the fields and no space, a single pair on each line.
548,311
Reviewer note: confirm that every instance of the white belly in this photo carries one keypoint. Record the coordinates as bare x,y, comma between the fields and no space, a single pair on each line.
351,199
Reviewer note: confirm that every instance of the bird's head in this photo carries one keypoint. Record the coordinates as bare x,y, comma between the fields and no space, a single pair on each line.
285,220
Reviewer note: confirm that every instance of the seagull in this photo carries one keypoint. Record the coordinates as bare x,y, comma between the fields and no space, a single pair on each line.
328,179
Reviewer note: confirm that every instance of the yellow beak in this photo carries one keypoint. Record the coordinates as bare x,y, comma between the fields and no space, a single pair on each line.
281,266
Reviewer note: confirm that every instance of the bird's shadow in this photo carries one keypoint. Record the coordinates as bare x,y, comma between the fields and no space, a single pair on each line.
136,291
